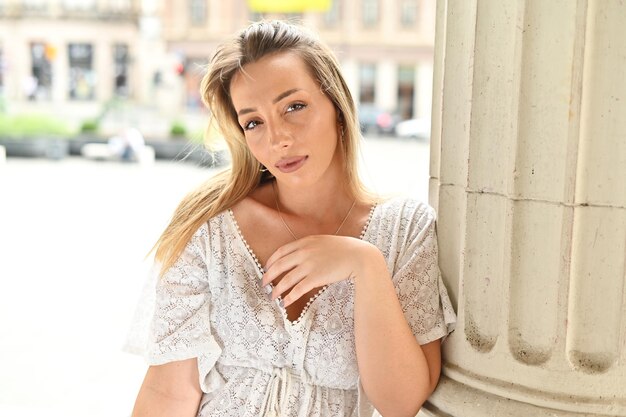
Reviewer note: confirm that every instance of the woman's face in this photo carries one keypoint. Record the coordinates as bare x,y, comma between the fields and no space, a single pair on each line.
290,126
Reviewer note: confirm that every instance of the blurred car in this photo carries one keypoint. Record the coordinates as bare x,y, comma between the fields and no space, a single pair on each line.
413,128
375,120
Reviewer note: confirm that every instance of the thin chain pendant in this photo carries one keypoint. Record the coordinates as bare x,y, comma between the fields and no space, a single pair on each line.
280,214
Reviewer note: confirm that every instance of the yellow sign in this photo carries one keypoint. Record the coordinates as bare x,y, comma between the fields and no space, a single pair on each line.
50,51
289,6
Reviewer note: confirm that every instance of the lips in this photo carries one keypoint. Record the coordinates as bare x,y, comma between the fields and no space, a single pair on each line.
291,164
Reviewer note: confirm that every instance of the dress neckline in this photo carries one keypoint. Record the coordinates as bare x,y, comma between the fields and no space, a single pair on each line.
260,271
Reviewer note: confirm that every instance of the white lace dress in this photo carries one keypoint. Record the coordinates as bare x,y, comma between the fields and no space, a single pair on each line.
252,360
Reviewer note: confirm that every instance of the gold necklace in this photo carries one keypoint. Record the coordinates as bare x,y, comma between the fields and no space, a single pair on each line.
289,228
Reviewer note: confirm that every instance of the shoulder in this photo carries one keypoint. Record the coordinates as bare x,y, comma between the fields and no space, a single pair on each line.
407,210
253,208
400,223
402,228
213,228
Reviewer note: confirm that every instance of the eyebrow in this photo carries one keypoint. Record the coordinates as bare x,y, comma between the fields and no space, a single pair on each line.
276,100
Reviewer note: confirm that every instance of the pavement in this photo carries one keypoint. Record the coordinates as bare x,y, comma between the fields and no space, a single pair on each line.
73,237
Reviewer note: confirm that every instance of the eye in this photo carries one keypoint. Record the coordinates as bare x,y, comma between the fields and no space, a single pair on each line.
250,125
295,107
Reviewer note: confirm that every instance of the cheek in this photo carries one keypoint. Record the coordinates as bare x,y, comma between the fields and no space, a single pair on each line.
256,148
321,124
331,132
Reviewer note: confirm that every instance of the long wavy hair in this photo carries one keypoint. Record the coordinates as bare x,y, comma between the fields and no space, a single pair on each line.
228,187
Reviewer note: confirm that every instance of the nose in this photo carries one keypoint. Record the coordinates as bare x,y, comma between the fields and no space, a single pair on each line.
279,136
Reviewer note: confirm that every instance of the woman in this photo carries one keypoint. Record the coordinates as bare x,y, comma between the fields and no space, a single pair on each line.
286,289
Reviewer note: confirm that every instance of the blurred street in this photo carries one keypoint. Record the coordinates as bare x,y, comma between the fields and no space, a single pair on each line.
73,236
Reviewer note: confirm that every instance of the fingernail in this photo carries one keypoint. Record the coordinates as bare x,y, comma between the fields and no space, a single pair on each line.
268,289
281,303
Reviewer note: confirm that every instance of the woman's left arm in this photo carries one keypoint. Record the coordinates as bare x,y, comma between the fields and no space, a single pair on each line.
397,374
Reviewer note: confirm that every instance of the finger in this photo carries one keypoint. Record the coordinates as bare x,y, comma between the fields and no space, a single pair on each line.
280,266
284,250
298,291
290,279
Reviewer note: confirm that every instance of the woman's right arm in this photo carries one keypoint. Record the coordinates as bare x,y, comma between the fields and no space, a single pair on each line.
171,389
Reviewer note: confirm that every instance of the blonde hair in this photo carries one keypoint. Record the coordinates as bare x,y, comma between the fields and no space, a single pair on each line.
227,188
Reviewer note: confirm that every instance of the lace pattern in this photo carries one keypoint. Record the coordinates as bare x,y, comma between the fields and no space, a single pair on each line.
252,359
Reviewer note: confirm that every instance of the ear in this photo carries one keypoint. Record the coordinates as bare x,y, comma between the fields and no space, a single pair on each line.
341,126
339,116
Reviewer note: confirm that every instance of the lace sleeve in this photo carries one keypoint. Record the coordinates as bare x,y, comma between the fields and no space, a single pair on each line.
180,327
418,282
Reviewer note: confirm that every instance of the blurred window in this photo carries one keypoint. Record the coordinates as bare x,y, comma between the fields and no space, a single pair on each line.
369,12
37,5
367,83
332,17
198,12
82,77
82,5
406,91
121,64
120,5
295,17
195,68
408,13
38,86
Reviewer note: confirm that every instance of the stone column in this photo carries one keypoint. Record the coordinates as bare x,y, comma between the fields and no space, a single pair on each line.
528,173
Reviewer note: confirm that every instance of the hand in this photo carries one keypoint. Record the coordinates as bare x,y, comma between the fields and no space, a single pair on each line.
313,262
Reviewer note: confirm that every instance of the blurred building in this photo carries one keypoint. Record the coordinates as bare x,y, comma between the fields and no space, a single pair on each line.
71,57
71,54
386,52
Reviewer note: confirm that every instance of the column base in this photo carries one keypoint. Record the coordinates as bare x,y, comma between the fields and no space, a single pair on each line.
453,399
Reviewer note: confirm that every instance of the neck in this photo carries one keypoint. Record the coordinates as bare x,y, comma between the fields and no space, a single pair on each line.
319,204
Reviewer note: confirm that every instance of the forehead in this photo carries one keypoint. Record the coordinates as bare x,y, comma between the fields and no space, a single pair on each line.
269,76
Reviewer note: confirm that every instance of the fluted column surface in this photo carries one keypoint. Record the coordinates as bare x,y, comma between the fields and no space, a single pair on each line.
528,173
